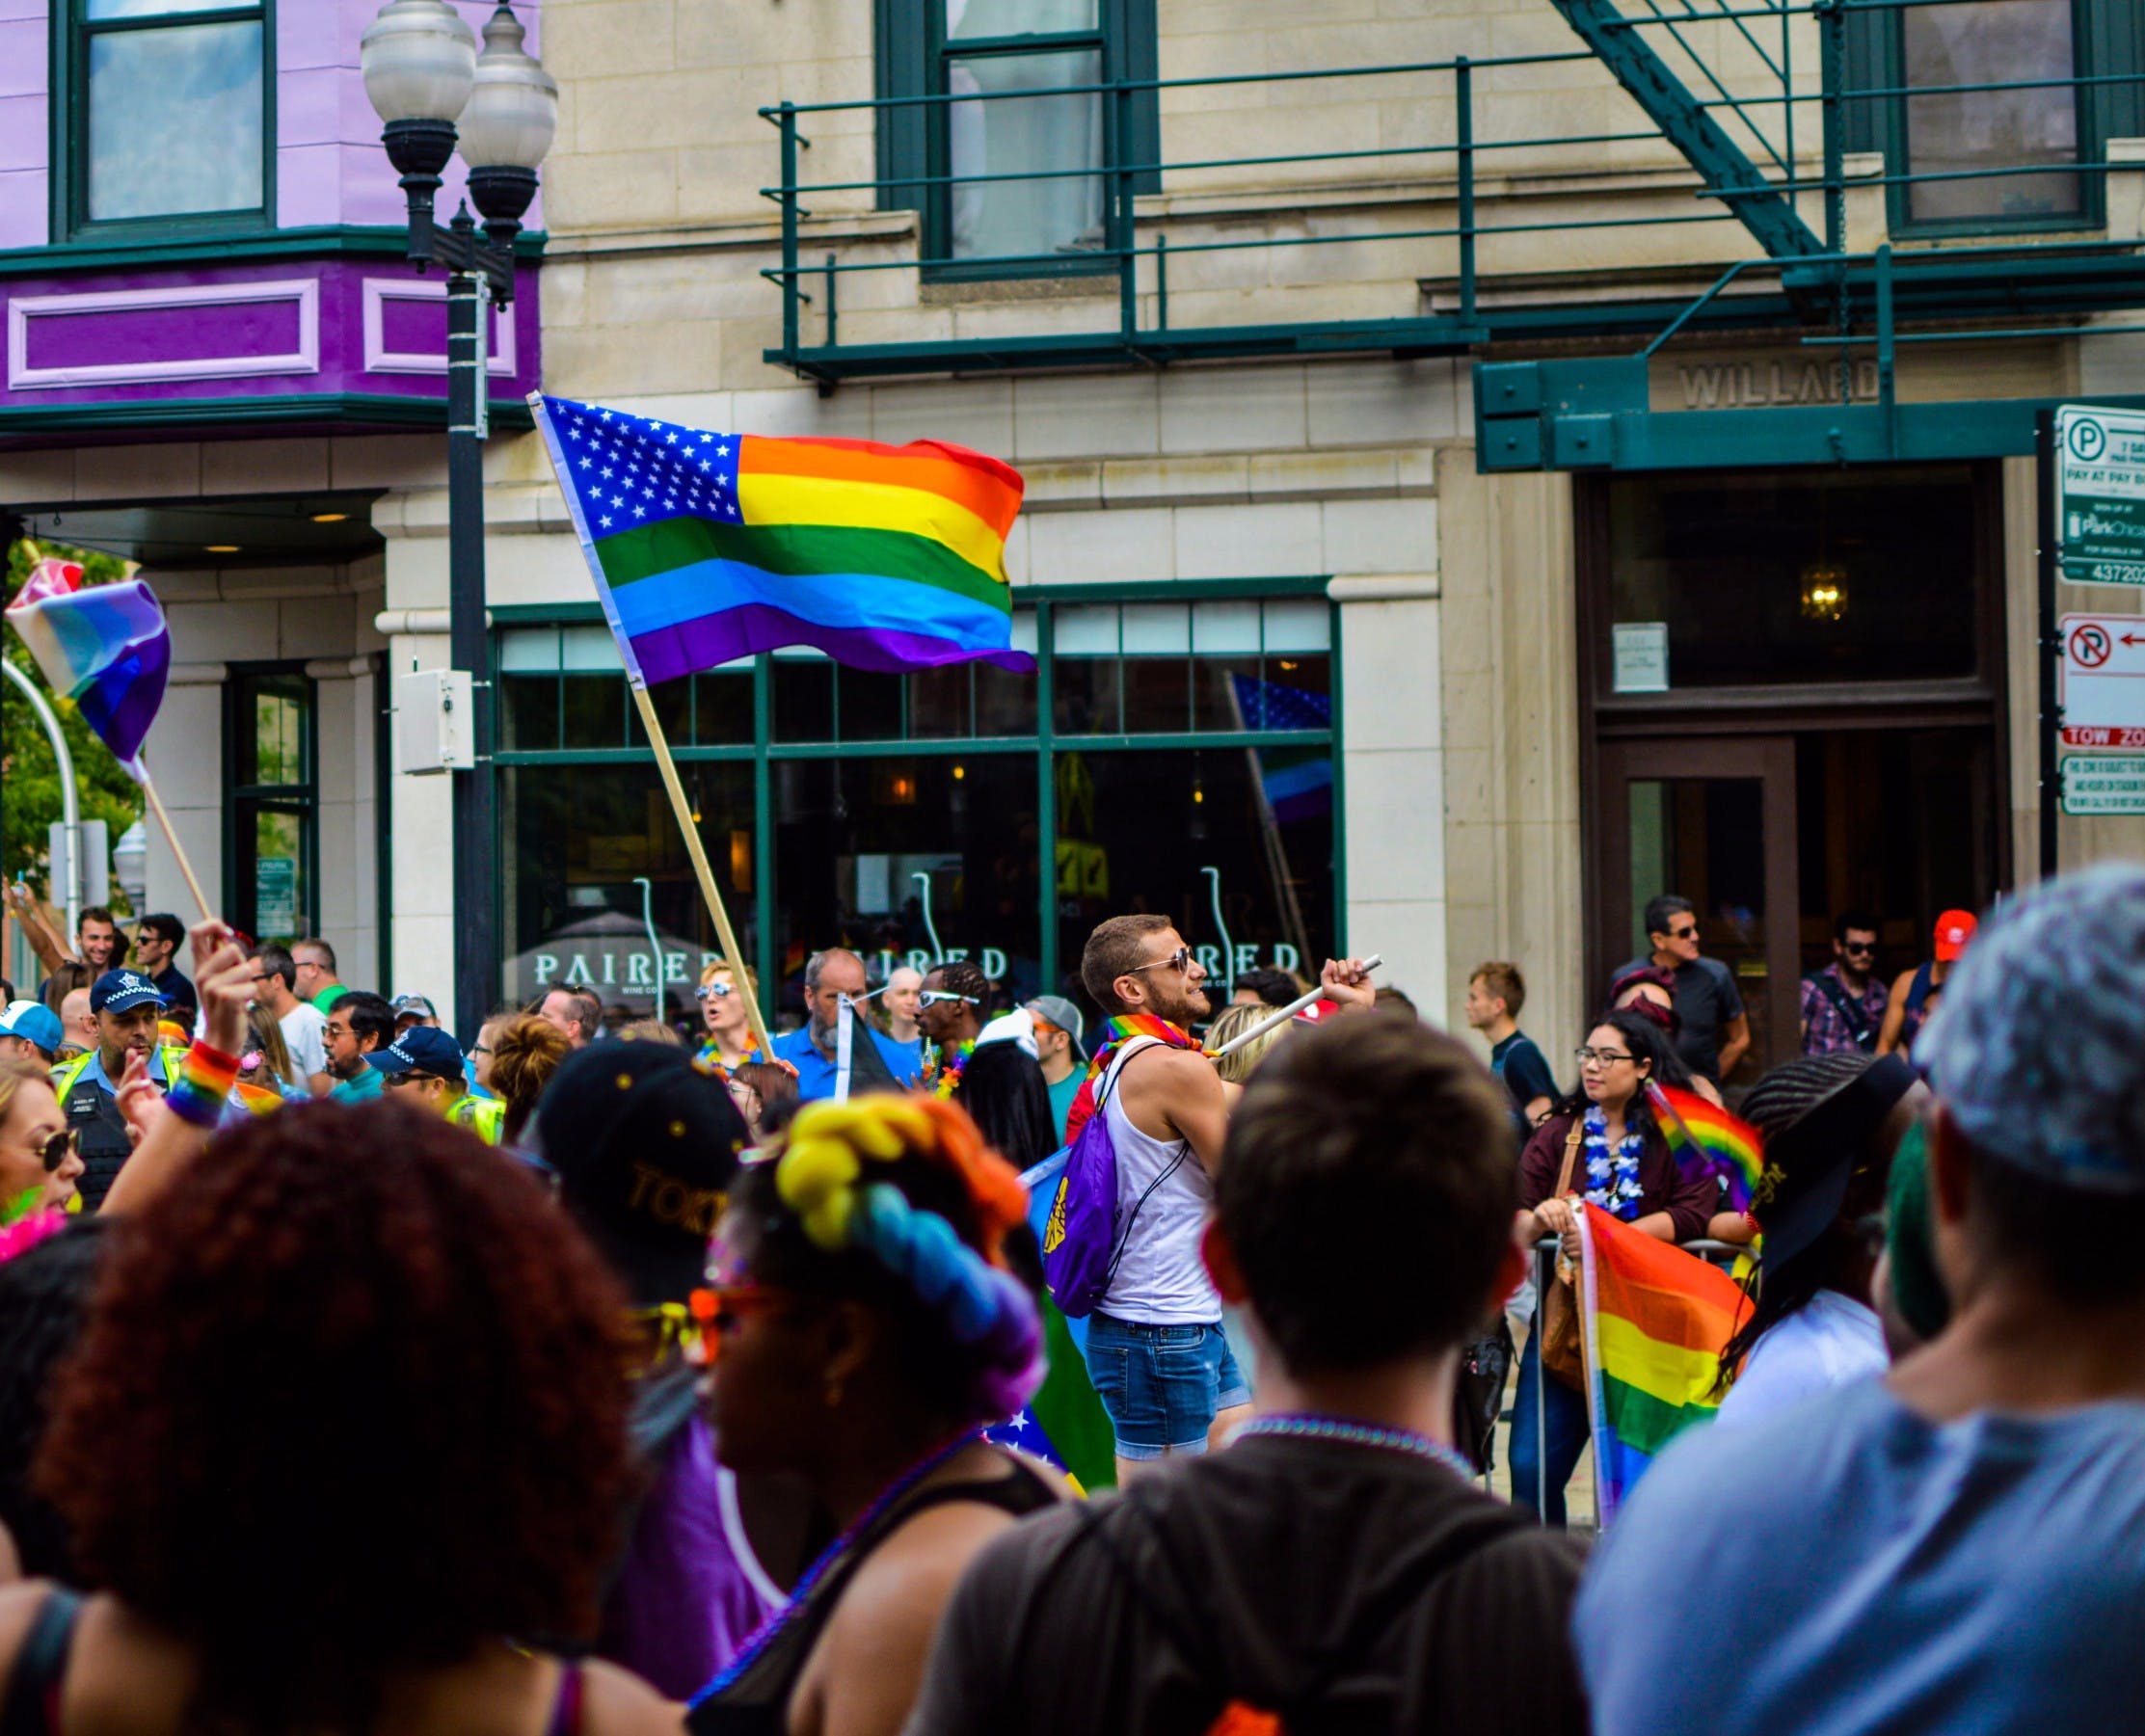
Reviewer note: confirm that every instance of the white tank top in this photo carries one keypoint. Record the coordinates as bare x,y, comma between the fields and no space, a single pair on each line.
1160,1279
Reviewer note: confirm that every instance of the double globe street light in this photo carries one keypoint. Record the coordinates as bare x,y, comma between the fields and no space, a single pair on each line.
434,91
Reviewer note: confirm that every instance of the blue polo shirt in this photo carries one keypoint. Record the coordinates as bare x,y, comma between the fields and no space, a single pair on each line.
816,1071
110,1086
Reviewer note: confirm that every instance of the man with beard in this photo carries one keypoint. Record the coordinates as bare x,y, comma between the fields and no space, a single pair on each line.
1155,1349
877,1063
126,1007
360,1026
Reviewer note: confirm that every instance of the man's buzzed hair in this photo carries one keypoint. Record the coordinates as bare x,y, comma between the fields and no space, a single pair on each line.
1117,946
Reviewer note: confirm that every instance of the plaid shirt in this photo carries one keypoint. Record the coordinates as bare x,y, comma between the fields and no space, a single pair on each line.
1825,1031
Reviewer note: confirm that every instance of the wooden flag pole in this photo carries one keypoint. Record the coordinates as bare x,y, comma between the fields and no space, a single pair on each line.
170,836
706,875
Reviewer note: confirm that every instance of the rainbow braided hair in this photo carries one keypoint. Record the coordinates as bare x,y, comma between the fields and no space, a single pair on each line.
821,1176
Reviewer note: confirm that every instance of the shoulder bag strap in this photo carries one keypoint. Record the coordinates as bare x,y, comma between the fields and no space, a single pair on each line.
32,1705
1854,1015
1570,1154
1175,1164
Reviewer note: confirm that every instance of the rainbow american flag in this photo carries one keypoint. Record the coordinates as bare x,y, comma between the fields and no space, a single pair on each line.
708,547
1655,1320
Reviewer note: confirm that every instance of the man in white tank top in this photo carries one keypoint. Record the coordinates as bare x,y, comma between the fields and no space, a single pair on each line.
1155,1348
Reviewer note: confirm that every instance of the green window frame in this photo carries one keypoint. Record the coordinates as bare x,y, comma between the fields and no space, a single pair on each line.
80,28
271,789
914,57
2107,59
1282,607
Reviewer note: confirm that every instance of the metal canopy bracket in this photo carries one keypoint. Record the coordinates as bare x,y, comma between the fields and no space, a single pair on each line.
1685,124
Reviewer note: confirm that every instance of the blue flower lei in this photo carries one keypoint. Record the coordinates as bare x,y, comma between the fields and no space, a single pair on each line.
1613,1178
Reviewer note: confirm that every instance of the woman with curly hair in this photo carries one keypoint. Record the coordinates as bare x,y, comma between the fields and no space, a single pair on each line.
345,1434
526,1051
868,1325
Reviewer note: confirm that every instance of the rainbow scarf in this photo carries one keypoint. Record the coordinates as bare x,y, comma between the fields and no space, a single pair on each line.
1708,1141
1122,1028
1656,1320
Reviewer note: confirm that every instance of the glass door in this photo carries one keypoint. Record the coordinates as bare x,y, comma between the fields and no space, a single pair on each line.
1714,822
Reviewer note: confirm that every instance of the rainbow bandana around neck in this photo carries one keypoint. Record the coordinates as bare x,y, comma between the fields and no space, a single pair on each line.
1122,1028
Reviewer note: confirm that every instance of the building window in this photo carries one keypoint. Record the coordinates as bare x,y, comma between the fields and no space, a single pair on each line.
167,112
1017,179
1971,161
271,848
889,812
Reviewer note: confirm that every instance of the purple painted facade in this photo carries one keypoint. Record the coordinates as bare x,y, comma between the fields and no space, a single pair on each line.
263,329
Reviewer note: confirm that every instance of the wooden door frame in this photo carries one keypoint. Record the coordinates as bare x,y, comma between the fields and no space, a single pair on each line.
1771,761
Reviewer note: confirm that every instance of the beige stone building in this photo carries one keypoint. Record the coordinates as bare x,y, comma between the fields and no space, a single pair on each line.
1486,464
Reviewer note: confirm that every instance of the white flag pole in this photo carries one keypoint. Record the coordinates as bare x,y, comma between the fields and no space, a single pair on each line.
1281,1015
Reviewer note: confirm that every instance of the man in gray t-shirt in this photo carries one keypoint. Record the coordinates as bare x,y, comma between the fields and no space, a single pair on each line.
1714,1031
1959,1546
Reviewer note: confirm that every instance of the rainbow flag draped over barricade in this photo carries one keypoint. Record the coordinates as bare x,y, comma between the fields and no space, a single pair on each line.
1655,1320
105,646
706,547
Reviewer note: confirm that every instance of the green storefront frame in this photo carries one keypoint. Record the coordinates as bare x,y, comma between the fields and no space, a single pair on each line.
767,752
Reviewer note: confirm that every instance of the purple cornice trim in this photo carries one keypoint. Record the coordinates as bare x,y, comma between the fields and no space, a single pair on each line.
389,354
234,330
82,326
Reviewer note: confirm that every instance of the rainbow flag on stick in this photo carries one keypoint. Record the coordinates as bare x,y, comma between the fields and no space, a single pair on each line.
105,646
1654,1321
1710,1141
706,547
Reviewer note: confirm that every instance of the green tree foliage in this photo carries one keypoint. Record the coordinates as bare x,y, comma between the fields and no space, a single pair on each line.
29,775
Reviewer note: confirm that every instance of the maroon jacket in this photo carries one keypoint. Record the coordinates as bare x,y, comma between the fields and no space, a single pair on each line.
1663,1185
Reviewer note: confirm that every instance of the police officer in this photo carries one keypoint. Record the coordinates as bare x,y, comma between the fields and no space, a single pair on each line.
125,1006
424,1062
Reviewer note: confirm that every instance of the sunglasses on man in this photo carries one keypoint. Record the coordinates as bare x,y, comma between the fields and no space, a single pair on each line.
1179,961
932,997
714,991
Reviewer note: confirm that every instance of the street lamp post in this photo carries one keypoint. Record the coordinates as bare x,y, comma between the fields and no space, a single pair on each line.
433,90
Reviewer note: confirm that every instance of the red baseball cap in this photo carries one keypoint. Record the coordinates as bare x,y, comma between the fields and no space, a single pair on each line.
1954,928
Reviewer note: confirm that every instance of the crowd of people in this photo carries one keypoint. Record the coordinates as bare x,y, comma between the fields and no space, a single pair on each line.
595,1378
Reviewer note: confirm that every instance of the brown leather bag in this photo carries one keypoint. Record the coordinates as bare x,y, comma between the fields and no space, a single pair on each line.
1558,1317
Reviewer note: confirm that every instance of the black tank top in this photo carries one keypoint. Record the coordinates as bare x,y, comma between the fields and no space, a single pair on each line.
757,1703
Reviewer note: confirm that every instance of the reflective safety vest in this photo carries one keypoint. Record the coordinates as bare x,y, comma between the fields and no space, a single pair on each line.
482,1116
93,1113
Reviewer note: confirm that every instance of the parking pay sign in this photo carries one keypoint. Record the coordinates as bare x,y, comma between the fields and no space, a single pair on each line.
2100,484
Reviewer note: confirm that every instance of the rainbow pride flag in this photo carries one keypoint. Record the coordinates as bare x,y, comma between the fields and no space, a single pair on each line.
1654,1321
707,548
105,646
1710,1141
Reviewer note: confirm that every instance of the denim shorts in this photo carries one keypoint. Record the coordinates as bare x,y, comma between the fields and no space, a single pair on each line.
1162,1385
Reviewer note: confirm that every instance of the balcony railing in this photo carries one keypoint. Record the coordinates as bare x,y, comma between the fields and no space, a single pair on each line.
1467,234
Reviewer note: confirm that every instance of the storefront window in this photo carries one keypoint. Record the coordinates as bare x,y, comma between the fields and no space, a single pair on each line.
1792,576
269,839
852,836
579,838
881,789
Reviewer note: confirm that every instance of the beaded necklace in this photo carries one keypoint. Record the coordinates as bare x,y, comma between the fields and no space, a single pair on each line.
1307,1427
766,1634
1613,1178
944,1077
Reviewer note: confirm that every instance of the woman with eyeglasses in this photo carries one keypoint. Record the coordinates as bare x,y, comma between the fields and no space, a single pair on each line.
1599,1145
38,1161
727,1040
874,1312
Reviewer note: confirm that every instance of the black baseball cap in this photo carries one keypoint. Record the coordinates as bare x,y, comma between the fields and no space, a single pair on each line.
645,1144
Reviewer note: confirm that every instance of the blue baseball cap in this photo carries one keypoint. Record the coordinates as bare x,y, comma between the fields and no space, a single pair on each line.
122,991
421,1048
33,1022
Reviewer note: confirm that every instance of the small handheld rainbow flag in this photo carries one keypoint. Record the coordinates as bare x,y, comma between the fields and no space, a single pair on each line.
1710,1141
105,646
1655,1320
709,546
